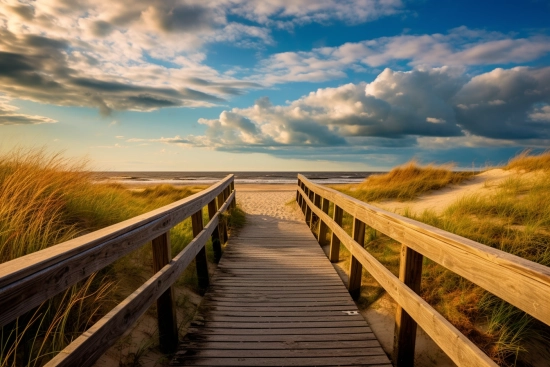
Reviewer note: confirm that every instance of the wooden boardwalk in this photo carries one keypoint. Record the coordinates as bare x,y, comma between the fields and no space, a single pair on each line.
276,300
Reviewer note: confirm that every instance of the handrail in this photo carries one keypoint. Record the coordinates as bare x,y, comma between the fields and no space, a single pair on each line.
518,281
28,281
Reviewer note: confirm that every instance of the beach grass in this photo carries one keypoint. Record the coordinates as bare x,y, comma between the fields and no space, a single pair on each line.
46,199
514,218
405,182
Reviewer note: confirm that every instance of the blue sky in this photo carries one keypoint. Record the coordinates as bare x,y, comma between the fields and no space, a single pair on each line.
276,84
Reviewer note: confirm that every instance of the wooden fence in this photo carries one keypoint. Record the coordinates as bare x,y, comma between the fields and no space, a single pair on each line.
28,281
520,282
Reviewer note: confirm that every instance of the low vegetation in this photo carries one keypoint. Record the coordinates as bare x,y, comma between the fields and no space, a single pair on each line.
514,218
46,199
405,182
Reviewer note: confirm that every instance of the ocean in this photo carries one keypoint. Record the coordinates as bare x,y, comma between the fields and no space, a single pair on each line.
202,178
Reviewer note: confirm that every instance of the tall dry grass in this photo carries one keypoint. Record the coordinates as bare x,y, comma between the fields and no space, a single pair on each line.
46,199
406,182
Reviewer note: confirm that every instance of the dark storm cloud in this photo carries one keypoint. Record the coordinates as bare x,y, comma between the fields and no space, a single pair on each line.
499,104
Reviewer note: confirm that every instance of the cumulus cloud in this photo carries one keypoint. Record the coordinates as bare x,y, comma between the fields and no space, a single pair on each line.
9,115
428,107
460,47
501,104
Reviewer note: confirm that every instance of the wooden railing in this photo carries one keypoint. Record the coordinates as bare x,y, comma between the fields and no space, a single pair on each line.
28,281
520,282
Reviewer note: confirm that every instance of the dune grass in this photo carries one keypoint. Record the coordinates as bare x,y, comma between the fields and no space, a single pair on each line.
46,199
405,182
528,162
514,218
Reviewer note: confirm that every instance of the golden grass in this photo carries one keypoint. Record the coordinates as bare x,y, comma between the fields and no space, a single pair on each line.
515,219
529,162
405,182
46,199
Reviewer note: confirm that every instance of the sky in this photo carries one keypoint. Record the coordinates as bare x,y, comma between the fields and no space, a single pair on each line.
275,85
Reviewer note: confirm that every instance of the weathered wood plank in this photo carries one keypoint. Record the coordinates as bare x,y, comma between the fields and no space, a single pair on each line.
306,361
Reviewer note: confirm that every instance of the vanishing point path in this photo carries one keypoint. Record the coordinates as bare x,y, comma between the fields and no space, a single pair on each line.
276,300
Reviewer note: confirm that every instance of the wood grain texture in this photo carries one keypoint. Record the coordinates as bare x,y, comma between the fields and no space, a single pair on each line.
334,251
521,282
201,264
355,267
28,281
216,245
166,311
322,235
461,350
410,273
280,303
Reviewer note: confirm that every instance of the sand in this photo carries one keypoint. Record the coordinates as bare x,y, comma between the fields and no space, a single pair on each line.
481,184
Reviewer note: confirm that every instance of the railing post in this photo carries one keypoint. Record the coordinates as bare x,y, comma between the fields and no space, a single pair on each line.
334,252
303,204
225,197
314,218
322,235
216,245
232,189
355,268
221,225
166,312
311,196
200,258
410,273
308,209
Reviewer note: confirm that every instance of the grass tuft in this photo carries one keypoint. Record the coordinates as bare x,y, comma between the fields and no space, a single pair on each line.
528,162
406,182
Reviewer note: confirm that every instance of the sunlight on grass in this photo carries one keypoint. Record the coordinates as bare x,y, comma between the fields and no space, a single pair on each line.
405,182
46,199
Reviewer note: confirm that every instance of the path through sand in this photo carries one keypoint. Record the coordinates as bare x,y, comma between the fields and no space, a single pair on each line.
437,201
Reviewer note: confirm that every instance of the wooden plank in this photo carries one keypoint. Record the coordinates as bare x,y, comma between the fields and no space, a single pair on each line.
461,350
286,353
282,338
282,331
355,268
28,281
334,251
166,312
277,345
410,273
307,361
521,282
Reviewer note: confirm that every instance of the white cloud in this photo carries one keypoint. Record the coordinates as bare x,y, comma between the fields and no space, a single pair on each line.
427,106
541,114
460,47
10,116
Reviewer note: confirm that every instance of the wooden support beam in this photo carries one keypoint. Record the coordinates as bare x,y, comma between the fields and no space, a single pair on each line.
410,273
334,252
216,245
221,225
314,217
231,189
166,311
355,268
200,259
322,235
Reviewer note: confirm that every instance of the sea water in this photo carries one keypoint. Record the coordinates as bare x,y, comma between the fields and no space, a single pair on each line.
204,178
